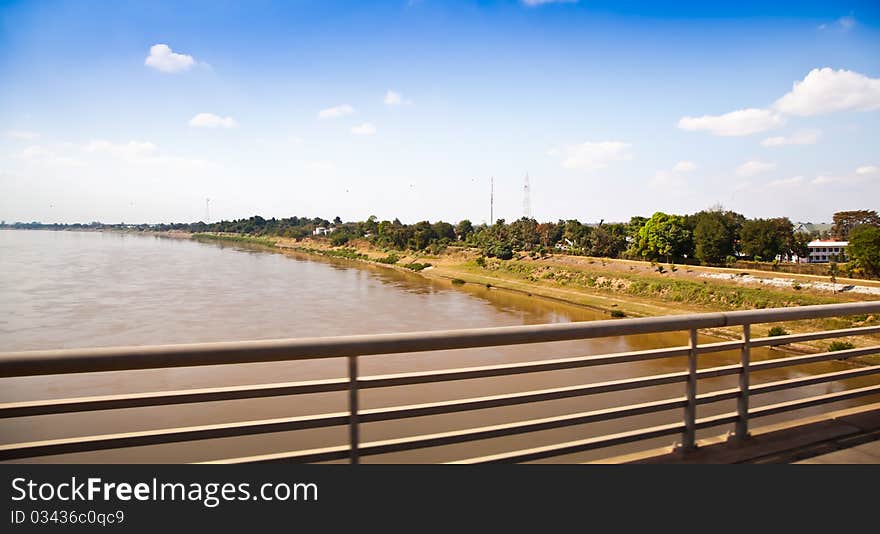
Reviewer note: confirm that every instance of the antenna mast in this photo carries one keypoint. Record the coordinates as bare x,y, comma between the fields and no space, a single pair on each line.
527,199
491,201
207,211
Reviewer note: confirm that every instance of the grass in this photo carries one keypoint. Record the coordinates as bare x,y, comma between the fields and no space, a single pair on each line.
704,293
777,331
415,266
267,241
840,345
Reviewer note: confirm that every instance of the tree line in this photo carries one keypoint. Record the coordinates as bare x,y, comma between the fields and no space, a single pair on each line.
710,237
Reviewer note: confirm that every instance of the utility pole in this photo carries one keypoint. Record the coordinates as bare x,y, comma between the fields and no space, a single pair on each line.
207,211
527,199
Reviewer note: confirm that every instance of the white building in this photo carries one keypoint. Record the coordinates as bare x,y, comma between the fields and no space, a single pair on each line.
321,230
825,251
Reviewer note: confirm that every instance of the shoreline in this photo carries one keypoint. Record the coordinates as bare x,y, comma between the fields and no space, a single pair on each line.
452,267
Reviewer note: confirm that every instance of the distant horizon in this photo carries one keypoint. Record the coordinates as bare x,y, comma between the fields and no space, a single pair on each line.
142,110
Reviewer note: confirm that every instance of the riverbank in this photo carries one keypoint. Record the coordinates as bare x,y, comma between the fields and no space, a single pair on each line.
618,288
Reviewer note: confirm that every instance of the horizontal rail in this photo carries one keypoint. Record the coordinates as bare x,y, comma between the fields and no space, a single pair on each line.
811,336
168,435
162,356
164,398
791,383
725,370
161,398
788,406
511,399
582,445
462,436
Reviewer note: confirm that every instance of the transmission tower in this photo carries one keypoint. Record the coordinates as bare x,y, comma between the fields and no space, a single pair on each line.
491,201
527,199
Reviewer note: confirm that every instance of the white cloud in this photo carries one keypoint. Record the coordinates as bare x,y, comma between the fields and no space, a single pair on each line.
336,112
209,120
751,168
684,166
736,123
393,98
35,152
826,180
787,182
667,180
868,169
589,156
673,179
22,135
162,58
533,3
826,90
321,166
844,23
800,137
130,150
364,129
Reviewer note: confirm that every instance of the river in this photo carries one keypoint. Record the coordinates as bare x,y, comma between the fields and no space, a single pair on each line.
87,289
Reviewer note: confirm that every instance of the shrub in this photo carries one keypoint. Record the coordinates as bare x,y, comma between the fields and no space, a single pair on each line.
481,261
840,345
617,314
390,259
660,269
796,286
777,331
417,266
457,282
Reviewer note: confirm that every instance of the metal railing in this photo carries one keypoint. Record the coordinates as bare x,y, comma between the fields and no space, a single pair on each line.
53,362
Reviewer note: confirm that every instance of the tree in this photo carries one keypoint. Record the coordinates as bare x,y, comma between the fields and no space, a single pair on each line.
715,234
845,221
664,236
864,248
766,238
464,229
799,246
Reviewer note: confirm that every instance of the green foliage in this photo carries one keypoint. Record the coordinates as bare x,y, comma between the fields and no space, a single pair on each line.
617,314
715,234
457,282
777,331
390,259
864,249
766,238
481,261
840,345
846,221
664,237
417,266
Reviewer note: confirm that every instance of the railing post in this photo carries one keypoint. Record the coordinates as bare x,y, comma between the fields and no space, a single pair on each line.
353,436
688,442
742,403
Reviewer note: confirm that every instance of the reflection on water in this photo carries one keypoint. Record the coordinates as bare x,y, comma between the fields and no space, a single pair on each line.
68,289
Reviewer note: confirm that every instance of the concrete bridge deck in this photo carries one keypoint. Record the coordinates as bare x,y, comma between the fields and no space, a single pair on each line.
850,436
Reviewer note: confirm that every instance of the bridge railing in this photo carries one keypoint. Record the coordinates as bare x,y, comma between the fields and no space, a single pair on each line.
55,362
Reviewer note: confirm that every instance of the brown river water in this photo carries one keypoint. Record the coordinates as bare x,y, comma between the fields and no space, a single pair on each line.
89,289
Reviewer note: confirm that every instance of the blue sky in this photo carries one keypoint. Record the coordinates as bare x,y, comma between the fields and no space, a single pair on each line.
406,108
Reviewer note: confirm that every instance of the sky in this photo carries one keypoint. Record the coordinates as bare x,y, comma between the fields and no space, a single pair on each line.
179,111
